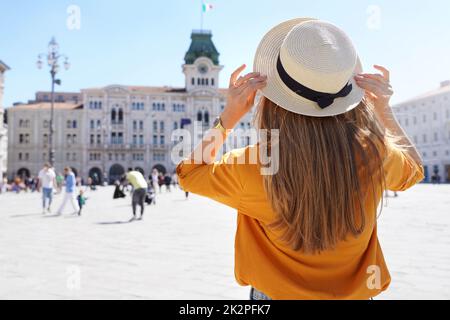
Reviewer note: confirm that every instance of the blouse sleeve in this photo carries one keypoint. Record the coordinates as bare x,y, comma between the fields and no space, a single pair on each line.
401,171
219,181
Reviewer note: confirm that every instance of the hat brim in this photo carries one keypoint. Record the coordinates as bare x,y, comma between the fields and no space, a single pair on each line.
266,63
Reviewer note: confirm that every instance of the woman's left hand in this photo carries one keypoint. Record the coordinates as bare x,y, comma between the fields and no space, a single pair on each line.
241,96
378,88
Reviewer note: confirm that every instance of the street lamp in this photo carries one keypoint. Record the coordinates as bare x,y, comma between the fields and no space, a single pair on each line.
53,56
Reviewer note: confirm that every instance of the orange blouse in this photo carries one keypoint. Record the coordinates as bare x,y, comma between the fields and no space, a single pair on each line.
355,269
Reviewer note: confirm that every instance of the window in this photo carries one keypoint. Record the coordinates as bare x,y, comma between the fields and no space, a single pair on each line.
74,124
212,81
207,117
141,125
74,139
134,139
113,115
91,140
134,125
120,116
141,140
155,140
19,156
27,156
162,140
155,126
69,124
92,124
120,138
99,139
45,124
21,138
175,125
199,116
113,138
161,126
193,81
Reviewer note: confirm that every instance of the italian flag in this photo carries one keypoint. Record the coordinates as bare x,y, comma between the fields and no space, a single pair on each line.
206,7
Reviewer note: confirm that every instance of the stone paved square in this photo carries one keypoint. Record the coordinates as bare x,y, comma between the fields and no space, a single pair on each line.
184,249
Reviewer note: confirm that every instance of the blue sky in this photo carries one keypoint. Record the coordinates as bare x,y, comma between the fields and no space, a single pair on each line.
143,42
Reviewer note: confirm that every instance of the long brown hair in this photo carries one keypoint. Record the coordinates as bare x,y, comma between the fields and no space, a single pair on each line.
326,167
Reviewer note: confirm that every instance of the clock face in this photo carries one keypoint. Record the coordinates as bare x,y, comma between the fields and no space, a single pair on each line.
203,68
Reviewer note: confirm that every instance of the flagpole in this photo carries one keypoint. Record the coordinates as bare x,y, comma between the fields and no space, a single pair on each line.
202,14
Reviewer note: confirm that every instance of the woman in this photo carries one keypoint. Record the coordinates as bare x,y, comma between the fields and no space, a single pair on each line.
308,229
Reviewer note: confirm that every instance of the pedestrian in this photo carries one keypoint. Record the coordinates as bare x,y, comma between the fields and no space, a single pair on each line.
174,180
167,182
160,181
154,178
59,182
46,183
307,214
81,201
70,195
137,180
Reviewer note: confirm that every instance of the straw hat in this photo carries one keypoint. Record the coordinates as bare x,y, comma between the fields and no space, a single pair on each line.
310,65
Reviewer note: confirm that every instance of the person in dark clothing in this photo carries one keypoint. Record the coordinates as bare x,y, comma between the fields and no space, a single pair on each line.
167,182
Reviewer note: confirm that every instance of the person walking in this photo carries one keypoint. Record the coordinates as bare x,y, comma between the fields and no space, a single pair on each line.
81,198
139,184
70,195
307,201
46,183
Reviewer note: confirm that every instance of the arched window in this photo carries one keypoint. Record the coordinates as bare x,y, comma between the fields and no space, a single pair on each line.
212,81
113,115
95,105
203,81
198,81
120,116
199,116
207,81
206,117
193,81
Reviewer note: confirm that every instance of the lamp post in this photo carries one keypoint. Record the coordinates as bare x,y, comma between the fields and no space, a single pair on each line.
53,56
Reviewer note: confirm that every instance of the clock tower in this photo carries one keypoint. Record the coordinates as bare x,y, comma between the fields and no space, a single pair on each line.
201,68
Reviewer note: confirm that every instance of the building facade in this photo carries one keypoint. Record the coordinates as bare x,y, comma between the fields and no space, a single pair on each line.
426,120
3,128
120,127
28,140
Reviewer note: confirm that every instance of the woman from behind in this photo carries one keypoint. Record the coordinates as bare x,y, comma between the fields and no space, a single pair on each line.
307,218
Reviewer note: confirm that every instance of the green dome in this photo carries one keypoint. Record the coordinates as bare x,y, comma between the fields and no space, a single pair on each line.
201,46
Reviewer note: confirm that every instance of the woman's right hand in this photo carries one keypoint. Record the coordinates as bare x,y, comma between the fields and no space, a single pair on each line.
241,96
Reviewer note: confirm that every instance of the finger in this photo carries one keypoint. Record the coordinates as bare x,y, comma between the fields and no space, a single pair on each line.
247,77
386,73
377,77
380,88
254,86
371,87
251,82
235,74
